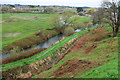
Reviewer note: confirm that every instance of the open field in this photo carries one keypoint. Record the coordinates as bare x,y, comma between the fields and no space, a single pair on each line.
18,28
19,25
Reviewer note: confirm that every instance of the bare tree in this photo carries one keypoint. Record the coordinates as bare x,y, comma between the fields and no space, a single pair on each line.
61,21
112,9
98,16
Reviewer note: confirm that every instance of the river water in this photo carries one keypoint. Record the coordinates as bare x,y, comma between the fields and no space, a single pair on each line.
46,44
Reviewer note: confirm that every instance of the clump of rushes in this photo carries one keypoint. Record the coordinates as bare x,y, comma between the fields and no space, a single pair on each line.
21,56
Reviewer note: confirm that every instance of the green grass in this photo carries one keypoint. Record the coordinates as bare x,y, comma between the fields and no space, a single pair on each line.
108,70
30,41
23,16
32,25
26,25
43,54
85,19
25,28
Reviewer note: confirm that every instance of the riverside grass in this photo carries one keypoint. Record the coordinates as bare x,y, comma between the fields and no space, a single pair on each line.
30,41
20,25
99,54
103,71
26,24
19,29
43,54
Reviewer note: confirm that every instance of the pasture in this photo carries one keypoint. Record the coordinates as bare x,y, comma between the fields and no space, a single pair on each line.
16,26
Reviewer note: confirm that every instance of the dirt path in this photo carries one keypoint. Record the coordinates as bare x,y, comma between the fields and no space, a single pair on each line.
11,34
6,21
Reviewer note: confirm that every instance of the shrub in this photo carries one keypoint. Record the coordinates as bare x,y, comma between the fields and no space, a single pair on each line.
80,25
36,17
40,33
68,30
90,24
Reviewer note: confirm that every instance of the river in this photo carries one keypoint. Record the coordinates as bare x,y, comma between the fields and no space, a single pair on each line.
46,44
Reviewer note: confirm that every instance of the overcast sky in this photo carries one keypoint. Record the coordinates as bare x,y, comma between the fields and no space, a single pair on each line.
81,3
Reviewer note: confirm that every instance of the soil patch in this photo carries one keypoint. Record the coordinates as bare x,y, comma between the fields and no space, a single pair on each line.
6,21
71,66
12,35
